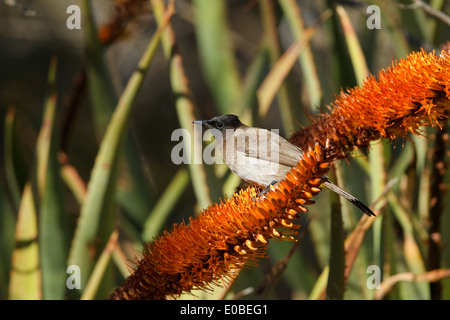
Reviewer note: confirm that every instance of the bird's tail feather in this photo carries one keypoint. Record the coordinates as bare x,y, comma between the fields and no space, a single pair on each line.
355,201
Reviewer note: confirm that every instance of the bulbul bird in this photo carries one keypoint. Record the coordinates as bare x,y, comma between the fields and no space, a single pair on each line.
261,157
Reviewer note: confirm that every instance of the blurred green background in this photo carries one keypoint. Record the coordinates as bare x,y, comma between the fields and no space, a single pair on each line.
60,87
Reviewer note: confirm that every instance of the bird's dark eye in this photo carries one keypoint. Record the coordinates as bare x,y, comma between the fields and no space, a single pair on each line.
219,125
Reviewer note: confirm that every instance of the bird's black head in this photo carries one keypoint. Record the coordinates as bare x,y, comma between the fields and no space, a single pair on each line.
227,121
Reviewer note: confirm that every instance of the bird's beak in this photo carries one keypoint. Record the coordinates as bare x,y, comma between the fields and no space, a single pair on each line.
204,123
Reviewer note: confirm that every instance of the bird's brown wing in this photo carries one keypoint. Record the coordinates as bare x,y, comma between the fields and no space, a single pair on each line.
271,147
261,157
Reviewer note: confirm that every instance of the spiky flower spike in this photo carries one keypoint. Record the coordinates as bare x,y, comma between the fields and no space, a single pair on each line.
225,237
412,93
231,235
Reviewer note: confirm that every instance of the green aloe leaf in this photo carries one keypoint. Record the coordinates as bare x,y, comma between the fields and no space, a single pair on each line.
98,204
25,276
10,170
216,53
53,224
134,196
306,59
157,217
185,111
100,268
8,223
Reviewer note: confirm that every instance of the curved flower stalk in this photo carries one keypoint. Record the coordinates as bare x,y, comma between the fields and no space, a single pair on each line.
233,234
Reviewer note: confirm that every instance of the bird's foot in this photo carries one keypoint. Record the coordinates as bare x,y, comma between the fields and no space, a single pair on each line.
266,189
